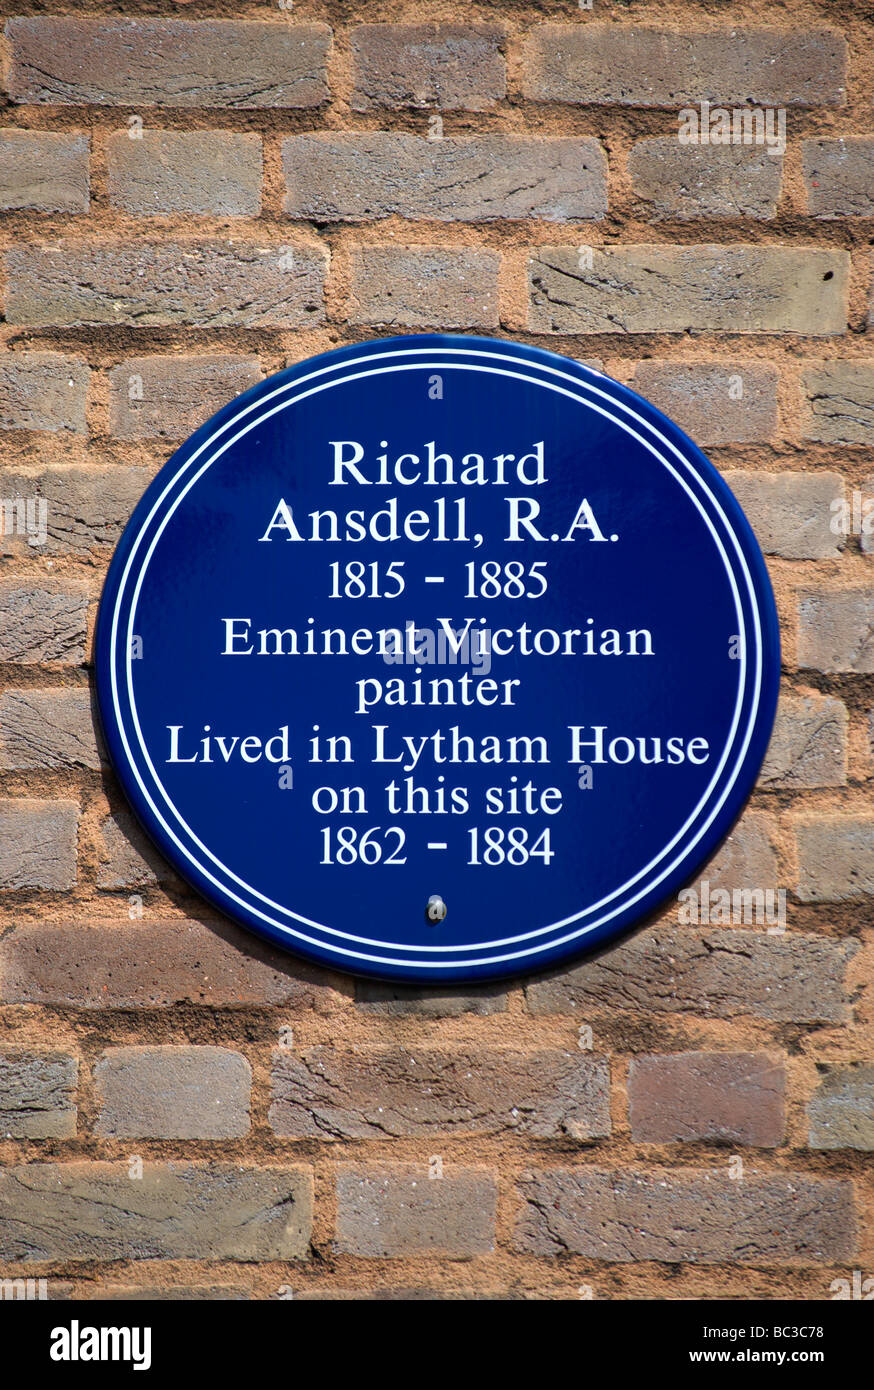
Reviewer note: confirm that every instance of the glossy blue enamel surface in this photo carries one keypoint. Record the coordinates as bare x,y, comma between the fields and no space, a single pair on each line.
646,745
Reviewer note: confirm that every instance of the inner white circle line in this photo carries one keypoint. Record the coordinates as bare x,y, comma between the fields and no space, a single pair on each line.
279,907
350,375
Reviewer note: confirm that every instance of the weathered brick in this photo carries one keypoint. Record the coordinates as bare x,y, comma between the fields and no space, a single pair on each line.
711,1097
870,299
127,859
43,627
839,176
841,1109
332,177
752,905
808,747
747,857
717,974
840,402
399,1212
208,173
54,1290
398,1001
384,1294
836,630
43,391
633,66
38,843
85,510
453,66
172,1093
855,515
702,398
48,729
169,397
154,965
166,62
37,1094
176,1293
175,1211
678,289
790,512
425,287
389,1072
705,180
209,284
44,171
835,857
695,1218
325,1093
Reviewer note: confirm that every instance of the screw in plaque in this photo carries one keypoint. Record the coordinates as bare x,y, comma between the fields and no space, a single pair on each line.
436,909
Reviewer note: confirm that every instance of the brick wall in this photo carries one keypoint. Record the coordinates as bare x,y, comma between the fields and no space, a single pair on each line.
689,1115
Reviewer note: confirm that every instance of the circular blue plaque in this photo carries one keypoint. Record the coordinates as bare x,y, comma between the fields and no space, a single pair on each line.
438,658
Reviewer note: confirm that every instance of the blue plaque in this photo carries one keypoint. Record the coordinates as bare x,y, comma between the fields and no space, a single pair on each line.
438,658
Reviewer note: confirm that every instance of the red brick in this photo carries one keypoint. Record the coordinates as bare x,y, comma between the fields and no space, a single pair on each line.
808,747
204,172
747,856
337,177
680,1218
209,284
452,66
399,1212
48,729
144,964
835,630
839,400
85,509
678,289
43,627
175,1211
37,1094
402,1001
835,856
841,1110
718,974
44,171
172,1293
790,512
839,176
705,181
169,397
626,65
708,1097
387,1293
701,397
172,1093
425,287
43,391
324,1093
127,857
38,843
166,62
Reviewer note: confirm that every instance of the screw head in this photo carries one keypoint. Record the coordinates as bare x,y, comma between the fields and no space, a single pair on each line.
436,908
